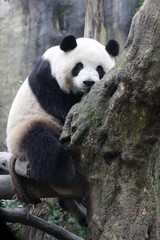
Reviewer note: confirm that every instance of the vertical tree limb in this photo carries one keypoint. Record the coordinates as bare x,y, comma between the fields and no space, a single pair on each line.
93,18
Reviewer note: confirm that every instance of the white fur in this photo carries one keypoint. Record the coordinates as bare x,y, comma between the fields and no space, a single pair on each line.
26,108
88,51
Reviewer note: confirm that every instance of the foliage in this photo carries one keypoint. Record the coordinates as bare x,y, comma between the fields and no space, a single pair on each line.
14,227
81,232
56,216
140,4
20,82
93,117
66,220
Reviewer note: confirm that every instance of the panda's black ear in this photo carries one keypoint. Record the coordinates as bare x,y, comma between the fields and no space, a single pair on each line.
112,47
68,43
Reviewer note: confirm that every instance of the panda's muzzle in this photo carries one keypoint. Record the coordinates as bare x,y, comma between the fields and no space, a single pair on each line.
89,83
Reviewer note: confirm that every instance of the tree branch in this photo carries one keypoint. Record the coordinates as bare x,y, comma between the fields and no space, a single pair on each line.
24,217
38,190
4,161
35,189
21,167
6,187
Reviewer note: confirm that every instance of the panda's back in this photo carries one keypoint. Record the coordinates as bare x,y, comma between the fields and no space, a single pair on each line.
24,107
25,111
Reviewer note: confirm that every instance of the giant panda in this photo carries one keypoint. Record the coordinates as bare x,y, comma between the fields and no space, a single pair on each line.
58,81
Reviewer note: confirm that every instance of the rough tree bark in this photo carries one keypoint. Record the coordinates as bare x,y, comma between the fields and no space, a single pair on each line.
93,19
117,149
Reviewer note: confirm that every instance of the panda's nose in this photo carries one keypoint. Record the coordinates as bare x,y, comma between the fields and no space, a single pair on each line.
89,83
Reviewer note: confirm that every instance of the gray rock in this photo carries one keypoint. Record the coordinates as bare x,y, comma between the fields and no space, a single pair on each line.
118,15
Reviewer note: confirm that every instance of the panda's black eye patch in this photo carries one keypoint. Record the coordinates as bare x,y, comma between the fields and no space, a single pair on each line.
78,67
100,71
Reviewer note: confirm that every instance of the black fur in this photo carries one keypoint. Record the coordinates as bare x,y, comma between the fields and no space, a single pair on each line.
50,161
77,68
68,43
100,71
48,93
5,231
112,47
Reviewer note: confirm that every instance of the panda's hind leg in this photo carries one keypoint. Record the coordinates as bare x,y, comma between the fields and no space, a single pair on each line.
49,159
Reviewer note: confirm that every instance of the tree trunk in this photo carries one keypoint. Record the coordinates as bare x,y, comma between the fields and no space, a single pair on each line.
30,233
115,138
93,19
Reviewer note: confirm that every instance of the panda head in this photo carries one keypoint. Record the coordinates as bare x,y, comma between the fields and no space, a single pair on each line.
80,63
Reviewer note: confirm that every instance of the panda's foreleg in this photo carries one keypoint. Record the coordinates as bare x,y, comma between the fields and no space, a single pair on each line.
50,161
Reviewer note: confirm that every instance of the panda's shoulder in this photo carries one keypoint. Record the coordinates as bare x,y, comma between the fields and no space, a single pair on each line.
45,65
